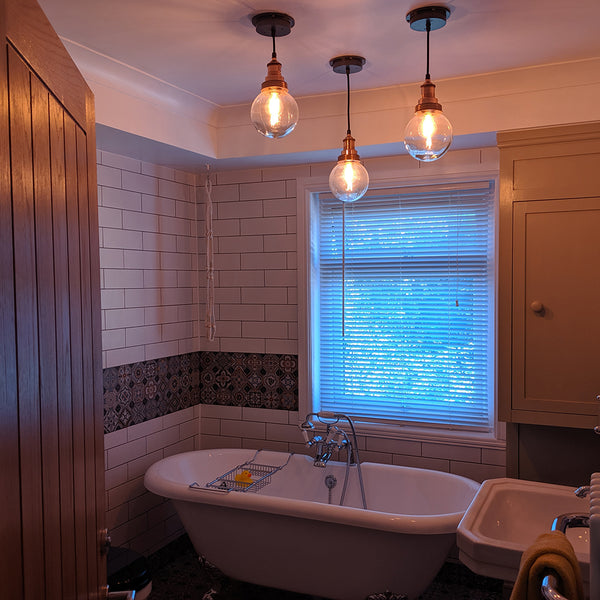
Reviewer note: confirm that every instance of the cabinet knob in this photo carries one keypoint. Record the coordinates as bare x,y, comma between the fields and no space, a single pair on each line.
536,306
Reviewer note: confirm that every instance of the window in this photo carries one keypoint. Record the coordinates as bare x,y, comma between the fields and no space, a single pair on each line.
402,305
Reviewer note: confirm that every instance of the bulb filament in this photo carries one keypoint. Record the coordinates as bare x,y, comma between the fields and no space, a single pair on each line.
349,175
274,109
428,129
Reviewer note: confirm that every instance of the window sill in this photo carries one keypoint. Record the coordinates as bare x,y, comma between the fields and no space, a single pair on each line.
478,439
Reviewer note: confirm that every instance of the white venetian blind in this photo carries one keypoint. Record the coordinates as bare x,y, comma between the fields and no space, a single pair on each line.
404,306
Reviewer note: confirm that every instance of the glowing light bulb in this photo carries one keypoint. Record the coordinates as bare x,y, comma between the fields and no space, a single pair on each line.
428,135
274,112
348,180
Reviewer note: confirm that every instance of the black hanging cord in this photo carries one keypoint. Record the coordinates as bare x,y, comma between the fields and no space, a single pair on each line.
348,96
428,29
274,54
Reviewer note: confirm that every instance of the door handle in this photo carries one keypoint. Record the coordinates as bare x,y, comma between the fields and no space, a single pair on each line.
537,307
104,541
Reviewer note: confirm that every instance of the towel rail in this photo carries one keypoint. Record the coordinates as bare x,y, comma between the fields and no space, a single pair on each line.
561,523
549,592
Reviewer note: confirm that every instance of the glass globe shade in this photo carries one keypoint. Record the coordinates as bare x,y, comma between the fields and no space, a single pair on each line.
428,135
348,180
274,112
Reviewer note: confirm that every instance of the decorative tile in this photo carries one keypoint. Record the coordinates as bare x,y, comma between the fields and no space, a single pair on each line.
254,380
141,391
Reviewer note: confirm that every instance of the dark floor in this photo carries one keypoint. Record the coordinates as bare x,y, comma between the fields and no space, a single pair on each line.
178,574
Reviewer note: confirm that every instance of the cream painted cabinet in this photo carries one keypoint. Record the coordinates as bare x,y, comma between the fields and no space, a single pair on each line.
549,276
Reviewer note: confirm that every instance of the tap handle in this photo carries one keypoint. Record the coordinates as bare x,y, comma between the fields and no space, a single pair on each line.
305,436
331,433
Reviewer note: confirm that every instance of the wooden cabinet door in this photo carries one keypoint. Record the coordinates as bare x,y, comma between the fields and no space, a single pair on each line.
556,311
51,433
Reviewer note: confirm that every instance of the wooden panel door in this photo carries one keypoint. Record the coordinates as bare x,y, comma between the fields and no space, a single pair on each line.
556,308
51,433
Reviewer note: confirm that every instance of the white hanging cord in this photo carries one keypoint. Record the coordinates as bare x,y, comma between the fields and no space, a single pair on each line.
209,321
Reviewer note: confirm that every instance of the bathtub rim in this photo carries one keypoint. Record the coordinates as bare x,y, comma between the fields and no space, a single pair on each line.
444,523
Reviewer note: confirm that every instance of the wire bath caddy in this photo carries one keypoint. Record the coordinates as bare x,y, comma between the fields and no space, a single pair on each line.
250,476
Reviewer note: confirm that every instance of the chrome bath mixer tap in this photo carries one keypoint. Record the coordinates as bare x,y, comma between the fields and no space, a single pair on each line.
335,439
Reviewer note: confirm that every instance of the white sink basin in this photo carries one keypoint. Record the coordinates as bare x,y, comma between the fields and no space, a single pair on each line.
505,518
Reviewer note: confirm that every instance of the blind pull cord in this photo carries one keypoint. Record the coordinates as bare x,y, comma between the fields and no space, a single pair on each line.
457,242
343,270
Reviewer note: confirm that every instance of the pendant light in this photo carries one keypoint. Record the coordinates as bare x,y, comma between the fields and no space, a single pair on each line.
274,111
428,134
349,180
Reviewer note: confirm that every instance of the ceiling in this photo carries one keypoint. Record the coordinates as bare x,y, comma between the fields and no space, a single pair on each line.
208,52
210,47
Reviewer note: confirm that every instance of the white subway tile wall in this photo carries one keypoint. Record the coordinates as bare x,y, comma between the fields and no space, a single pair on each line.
254,226
148,260
154,303
149,280
255,428
136,518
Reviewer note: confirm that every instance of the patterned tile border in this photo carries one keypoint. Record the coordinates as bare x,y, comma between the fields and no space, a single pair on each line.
141,391
255,380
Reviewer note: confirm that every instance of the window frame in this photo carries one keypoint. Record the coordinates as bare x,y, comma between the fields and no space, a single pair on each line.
307,194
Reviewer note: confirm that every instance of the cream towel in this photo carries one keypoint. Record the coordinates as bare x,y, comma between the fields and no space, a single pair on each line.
551,552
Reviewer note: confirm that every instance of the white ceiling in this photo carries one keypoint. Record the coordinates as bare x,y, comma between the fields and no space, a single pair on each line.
210,48
173,76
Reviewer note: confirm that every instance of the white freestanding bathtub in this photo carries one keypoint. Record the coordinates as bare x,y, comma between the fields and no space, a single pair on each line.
287,535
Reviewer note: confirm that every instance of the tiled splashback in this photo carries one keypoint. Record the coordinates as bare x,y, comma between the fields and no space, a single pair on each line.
141,391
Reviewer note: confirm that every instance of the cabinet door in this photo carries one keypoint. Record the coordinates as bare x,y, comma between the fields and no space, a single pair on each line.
556,310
